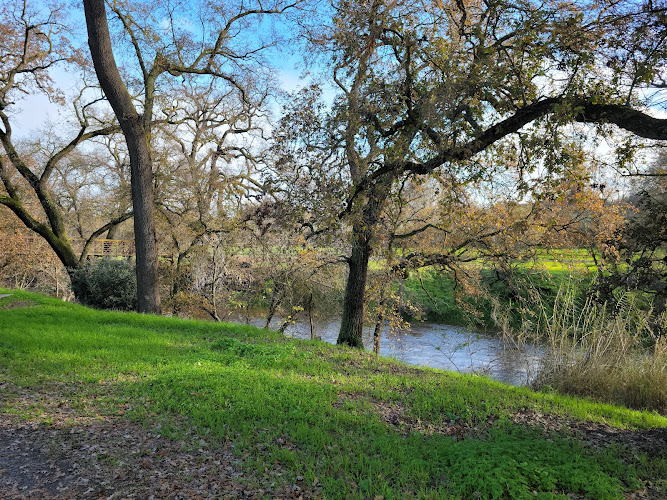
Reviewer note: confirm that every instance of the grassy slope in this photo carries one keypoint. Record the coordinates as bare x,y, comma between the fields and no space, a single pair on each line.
361,426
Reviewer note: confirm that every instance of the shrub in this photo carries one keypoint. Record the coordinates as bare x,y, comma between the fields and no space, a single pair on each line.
106,284
27,262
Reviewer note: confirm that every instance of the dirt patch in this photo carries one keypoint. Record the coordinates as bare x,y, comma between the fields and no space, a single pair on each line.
113,459
26,468
653,442
395,414
17,304
399,369
63,454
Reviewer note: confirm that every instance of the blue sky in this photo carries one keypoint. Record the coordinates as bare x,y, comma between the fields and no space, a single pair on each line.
34,112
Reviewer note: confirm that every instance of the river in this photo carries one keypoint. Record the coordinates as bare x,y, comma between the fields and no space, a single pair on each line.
441,346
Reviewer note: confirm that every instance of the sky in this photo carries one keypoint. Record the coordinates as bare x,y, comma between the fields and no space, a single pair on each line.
33,112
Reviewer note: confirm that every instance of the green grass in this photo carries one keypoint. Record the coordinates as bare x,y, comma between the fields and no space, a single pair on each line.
433,292
312,408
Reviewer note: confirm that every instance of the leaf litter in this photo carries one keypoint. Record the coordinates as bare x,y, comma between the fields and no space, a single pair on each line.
60,454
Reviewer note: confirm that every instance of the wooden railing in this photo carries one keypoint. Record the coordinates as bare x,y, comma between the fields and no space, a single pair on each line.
97,248
107,248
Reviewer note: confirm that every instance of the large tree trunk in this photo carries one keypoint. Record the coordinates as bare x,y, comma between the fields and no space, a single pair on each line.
140,158
352,323
148,300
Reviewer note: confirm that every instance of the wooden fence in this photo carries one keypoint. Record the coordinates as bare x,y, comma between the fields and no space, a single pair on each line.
97,248
107,248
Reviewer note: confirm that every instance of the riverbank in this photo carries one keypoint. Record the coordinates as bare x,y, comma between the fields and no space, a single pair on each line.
433,293
230,410
435,345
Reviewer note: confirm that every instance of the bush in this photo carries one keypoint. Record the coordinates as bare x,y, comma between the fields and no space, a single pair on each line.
27,262
106,284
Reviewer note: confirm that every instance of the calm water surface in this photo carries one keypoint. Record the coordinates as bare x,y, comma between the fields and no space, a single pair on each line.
439,346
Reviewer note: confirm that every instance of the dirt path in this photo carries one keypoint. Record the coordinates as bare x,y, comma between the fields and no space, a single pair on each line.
113,459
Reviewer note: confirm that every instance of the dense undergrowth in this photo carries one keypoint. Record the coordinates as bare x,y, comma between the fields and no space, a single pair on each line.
347,423
590,349
525,289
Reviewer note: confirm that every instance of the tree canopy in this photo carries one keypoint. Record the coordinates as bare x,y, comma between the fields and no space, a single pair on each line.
430,132
465,91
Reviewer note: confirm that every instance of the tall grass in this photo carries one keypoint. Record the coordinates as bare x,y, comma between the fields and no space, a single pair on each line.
592,351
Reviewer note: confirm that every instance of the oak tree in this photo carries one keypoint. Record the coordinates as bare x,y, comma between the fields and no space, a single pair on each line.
205,40
35,42
426,89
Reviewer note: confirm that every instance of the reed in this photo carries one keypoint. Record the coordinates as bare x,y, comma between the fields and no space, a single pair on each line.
593,351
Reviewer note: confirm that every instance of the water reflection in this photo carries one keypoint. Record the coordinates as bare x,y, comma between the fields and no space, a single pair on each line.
439,346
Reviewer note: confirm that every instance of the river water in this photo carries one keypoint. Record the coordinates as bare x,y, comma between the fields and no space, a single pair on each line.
441,346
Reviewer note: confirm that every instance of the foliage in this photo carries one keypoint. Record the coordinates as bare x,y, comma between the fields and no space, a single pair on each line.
523,289
440,103
526,293
349,424
450,134
260,265
27,262
106,284
209,105
504,454
35,174
634,255
433,292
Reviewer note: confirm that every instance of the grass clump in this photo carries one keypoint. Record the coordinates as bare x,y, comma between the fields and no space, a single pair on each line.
348,424
612,356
